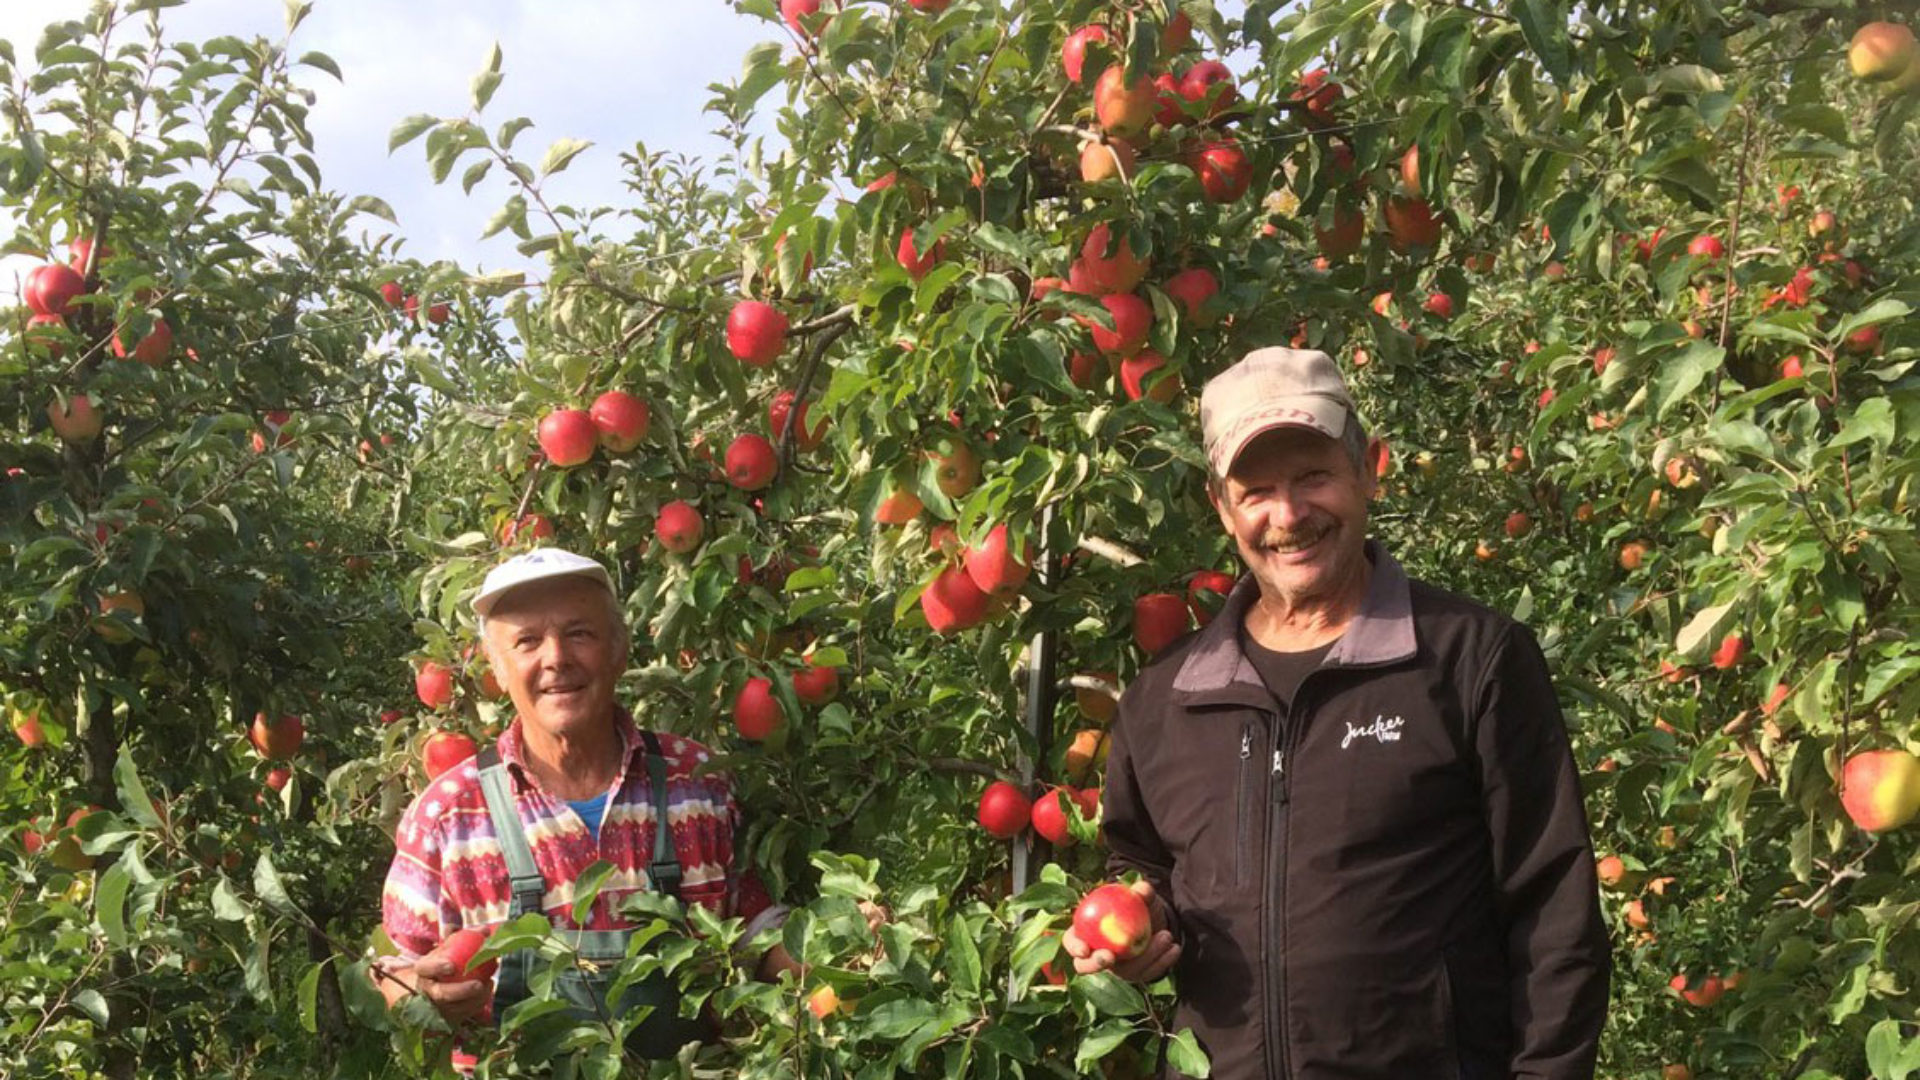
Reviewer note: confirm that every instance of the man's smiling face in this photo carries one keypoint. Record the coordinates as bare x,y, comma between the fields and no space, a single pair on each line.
557,650
1296,506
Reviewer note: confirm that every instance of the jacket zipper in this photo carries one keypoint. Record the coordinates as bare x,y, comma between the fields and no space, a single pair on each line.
1241,813
1273,962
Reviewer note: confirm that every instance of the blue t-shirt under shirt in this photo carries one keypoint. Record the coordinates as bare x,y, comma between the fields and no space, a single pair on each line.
590,811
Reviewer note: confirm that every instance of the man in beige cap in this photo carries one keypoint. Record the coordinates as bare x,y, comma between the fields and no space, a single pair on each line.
1350,797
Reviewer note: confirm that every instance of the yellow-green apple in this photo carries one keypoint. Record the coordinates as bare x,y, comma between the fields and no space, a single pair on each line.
679,527
1117,270
1223,170
805,436
620,419
1411,223
443,750
1209,82
1881,51
1107,159
952,602
1880,789
1158,620
567,437
1073,53
1193,287
756,332
912,261
956,469
756,711
1123,106
994,566
1003,810
816,684
50,289
1113,917
1338,230
751,462
433,685
276,739
1137,369
75,420
1132,319
1052,813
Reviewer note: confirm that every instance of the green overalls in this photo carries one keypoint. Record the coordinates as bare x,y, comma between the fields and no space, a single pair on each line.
664,1031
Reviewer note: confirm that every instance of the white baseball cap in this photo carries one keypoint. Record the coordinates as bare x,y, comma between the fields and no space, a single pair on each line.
1271,388
536,565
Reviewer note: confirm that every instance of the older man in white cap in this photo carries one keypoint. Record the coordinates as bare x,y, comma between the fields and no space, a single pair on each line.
1351,797
571,782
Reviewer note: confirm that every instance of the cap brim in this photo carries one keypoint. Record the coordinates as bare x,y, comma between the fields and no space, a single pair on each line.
1309,412
483,604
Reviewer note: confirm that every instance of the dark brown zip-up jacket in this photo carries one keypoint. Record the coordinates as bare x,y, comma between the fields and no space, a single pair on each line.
1393,880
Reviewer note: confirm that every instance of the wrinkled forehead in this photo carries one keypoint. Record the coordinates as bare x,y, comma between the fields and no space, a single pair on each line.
552,601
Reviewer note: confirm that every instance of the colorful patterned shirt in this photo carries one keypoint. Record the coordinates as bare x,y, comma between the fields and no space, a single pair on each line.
448,871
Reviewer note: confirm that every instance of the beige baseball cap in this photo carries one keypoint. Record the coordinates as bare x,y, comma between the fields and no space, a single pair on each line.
1271,388
536,565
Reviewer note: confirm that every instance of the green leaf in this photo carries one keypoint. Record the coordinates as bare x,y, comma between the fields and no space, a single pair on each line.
586,889
963,959
1109,995
367,204
409,129
1186,1057
1889,1056
760,72
132,792
92,1003
266,882
1681,375
485,83
110,903
310,997
1880,311
226,905
1701,629
324,63
510,131
1099,1041
475,173
561,154
1544,24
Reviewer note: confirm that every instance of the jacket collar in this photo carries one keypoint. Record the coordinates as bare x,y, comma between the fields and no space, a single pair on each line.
1216,670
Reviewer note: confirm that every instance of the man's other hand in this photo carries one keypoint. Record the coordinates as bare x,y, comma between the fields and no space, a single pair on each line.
433,976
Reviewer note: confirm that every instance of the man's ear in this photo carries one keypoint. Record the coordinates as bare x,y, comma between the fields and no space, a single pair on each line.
1376,456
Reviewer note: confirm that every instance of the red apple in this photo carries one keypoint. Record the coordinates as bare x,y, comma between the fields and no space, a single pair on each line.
1708,247
620,419
803,16
1732,650
756,333
952,602
51,288
1042,286
527,527
1113,917
1319,96
1108,159
1346,228
1004,811
993,566
956,471
443,750
433,685
1882,51
276,739
912,261
1132,319
1136,369
27,727
279,778
1193,287
806,437
1158,620
1518,524
411,306
1411,224
1439,304
1410,171
152,349
392,293
459,949
1123,106
679,527
1880,789
1052,812
1702,995
816,685
1073,53
1864,341
756,711
77,421
1118,271
1223,170
1610,869
899,508
81,250
439,313
1169,106
391,716
1206,592
1086,370
568,436
751,462
1210,81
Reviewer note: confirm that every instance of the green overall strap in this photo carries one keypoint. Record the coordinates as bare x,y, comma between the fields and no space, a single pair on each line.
528,884
664,871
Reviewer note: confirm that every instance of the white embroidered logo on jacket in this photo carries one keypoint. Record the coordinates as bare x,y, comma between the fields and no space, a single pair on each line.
1384,729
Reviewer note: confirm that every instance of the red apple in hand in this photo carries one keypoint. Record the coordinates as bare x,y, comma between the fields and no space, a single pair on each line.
443,750
459,949
620,419
1004,811
567,437
1113,917
276,739
756,711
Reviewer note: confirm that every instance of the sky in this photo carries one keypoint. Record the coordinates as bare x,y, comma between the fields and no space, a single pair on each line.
613,72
